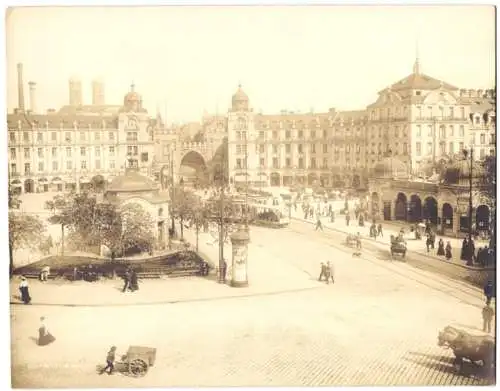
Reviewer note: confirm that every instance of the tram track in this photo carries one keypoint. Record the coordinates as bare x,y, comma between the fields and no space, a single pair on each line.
459,290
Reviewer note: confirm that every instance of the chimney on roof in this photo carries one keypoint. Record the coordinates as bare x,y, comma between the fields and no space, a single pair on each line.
32,86
98,93
20,87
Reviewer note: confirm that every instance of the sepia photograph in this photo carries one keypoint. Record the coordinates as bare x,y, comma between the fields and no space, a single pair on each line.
251,196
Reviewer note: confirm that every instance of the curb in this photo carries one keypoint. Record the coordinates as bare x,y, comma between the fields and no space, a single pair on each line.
193,300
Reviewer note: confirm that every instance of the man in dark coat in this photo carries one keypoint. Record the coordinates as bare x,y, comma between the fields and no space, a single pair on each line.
134,283
489,291
126,280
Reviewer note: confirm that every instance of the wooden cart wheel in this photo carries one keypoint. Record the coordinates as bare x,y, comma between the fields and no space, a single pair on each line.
137,367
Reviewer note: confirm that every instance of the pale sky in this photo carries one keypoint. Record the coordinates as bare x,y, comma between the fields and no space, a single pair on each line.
189,59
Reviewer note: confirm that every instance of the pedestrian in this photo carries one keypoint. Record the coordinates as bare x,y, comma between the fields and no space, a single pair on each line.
44,336
472,250
126,281
134,282
323,271
25,290
45,272
332,217
331,272
448,250
488,314
440,251
489,291
428,242
463,252
358,241
110,361
224,271
318,223
379,230
347,218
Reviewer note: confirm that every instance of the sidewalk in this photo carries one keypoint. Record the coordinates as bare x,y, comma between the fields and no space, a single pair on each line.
417,246
265,276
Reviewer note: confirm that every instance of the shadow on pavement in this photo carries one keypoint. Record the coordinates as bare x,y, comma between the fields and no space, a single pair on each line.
445,364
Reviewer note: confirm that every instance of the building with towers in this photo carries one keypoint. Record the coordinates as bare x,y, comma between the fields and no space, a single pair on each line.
79,145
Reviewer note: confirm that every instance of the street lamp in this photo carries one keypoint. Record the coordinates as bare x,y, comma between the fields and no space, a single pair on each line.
471,155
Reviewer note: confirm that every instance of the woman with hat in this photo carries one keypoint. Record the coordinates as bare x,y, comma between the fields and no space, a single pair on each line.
44,337
24,289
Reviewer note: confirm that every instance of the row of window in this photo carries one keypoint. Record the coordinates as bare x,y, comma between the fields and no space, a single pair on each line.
131,150
261,148
241,163
68,136
55,166
69,165
441,147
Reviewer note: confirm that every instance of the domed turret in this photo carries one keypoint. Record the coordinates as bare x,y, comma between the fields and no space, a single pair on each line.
132,181
132,100
390,167
240,100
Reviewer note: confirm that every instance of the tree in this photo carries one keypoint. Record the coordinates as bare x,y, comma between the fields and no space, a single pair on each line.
489,179
184,206
83,215
14,201
25,231
136,229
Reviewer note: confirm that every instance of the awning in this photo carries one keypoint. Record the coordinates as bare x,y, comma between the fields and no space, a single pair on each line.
56,180
16,184
43,180
84,180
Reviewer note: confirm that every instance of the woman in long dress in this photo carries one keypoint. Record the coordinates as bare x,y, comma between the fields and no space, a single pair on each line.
440,251
448,250
25,291
44,336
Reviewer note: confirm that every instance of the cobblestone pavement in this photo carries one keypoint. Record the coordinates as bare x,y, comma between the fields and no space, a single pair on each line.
374,326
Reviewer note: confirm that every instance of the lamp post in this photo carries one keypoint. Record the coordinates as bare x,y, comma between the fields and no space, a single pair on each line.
471,161
172,185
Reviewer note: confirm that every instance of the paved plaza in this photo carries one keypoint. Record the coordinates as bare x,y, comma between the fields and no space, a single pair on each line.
377,325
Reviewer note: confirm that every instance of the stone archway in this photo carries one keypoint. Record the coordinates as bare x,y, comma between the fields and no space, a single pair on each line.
482,218
193,169
98,183
375,204
275,179
401,212
29,186
430,210
447,216
415,209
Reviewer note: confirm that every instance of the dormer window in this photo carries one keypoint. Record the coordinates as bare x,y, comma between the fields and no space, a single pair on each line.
418,93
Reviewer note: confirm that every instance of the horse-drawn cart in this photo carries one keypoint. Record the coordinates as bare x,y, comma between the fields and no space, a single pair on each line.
138,360
469,344
351,240
398,246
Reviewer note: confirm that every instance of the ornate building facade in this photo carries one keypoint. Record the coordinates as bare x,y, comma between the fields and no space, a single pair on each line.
79,144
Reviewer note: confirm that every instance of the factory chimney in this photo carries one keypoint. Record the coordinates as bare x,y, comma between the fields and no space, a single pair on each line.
32,86
20,87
